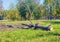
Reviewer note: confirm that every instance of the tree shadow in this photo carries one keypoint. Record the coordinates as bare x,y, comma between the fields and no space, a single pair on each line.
56,22
48,34
53,34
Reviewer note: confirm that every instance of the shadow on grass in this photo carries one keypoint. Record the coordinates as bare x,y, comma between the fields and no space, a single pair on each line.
43,35
48,34
52,22
56,22
53,34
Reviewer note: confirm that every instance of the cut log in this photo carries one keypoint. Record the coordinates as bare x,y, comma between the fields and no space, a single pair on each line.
43,27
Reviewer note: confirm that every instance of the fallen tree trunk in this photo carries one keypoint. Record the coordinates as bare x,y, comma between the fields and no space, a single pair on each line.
44,27
38,26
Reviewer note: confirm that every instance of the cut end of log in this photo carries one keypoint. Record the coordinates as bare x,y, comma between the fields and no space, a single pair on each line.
51,28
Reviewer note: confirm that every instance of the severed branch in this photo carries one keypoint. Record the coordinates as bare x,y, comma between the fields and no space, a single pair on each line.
30,25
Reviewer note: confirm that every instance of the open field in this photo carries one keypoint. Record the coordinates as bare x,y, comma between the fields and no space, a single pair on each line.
30,35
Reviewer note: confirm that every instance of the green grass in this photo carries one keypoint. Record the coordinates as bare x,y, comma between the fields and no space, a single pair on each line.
30,35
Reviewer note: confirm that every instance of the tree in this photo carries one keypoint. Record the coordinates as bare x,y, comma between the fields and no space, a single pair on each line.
53,7
48,8
29,7
32,8
22,9
1,10
12,13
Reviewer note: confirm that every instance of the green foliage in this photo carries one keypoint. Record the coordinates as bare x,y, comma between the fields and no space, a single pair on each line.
12,15
32,9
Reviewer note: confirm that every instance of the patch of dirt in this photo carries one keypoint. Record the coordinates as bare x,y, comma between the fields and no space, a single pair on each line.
10,26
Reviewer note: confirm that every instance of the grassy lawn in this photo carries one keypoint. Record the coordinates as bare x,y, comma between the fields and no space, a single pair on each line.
31,35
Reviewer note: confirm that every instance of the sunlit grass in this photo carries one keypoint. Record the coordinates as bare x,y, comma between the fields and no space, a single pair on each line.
31,35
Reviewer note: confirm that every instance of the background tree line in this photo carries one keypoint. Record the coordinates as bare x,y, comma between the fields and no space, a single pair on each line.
32,10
